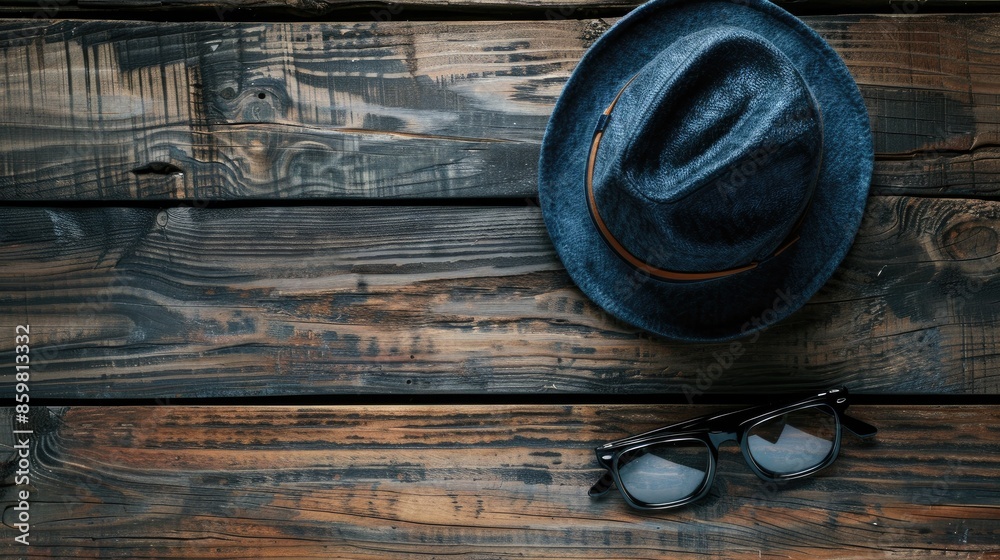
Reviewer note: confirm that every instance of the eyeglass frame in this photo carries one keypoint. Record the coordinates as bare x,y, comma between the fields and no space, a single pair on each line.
709,430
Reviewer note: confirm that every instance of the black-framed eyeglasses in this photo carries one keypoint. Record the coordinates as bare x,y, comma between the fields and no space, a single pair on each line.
675,465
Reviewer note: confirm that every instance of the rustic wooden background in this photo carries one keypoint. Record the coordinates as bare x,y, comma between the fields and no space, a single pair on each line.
291,295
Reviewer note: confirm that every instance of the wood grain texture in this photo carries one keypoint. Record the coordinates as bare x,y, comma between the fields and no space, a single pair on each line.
456,299
101,110
382,10
483,482
340,300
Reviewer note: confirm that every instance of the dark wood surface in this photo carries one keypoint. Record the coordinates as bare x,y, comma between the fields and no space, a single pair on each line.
245,215
485,482
192,302
98,110
382,10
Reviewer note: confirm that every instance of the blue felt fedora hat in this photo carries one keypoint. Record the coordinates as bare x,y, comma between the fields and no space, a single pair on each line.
706,167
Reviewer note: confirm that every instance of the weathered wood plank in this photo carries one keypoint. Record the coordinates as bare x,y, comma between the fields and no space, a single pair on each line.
320,300
135,111
383,11
496,482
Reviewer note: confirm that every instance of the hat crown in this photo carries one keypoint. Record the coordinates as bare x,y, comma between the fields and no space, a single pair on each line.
710,155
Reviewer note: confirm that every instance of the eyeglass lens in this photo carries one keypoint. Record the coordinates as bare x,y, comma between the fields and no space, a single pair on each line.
664,472
794,442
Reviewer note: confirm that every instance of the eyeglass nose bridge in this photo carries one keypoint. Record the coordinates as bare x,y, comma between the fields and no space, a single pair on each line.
718,437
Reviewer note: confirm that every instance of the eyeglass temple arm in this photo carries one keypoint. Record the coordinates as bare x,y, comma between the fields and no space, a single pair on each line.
678,427
602,486
863,430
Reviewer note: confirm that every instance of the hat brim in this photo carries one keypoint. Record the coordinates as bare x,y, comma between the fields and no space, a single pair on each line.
734,306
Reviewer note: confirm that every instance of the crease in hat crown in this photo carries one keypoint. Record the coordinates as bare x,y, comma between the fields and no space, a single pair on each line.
711,154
